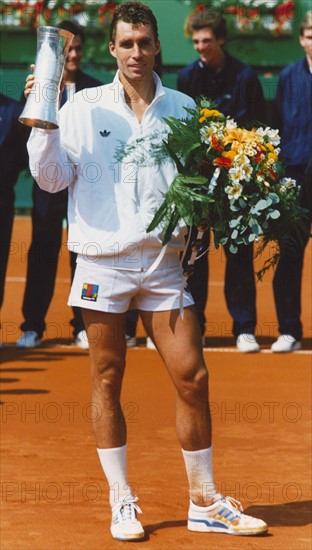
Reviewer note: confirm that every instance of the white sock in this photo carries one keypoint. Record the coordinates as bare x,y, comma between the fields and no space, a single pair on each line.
200,476
114,464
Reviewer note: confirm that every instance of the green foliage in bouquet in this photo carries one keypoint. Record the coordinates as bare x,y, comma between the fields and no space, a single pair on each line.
230,179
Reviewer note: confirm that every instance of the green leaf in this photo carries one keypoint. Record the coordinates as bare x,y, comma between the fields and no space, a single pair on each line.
175,216
262,204
274,214
274,198
159,216
174,157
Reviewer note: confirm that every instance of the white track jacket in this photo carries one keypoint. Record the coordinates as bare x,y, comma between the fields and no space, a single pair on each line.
111,202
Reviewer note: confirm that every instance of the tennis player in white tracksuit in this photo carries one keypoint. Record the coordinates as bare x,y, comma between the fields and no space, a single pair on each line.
111,204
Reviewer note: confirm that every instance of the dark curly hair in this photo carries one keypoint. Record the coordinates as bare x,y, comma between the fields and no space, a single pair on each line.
136,13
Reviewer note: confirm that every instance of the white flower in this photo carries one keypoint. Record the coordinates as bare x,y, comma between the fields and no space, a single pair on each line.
236,174
230,124
234,191
270,133
287,183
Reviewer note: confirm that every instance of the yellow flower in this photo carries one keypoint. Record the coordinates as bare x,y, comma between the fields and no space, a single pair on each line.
207,113
229,154
273,156
270,147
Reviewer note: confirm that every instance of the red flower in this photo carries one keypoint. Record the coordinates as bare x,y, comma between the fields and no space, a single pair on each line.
215,144
223,161
273,175
284,11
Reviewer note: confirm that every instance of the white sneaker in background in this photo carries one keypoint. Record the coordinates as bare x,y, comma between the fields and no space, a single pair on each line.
131,341
247,343
149,343
29,339
82,340
285,343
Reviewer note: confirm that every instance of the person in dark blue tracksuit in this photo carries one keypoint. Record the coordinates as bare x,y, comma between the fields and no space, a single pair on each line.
48,213
294,119
236,90
13,159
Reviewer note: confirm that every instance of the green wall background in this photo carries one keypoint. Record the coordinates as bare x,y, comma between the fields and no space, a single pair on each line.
267,56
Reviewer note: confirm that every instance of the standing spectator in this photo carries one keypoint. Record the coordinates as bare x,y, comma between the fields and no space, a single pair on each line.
235,88
106,282
13,159
294,110
48,214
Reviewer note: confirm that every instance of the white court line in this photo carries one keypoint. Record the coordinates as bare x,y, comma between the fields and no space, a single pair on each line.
23,280
233,350
46,345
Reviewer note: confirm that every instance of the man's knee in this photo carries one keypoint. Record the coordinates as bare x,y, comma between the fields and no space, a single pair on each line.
108,374
194,388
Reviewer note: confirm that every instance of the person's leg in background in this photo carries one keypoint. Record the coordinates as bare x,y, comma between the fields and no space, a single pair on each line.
198,282
132,318
240,295
7,197
287,280
79,332
49,211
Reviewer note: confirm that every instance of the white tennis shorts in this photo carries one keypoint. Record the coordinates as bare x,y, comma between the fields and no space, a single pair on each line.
98,284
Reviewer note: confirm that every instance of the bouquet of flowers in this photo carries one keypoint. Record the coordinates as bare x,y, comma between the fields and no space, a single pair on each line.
230,180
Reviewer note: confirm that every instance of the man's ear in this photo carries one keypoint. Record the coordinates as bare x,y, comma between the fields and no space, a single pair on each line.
112,49
157,43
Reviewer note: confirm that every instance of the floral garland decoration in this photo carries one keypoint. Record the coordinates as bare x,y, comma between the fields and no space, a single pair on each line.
229,179
250,16
32,13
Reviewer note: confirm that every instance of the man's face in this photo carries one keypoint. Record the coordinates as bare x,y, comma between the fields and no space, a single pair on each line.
306,42
207,45
74,55
134,48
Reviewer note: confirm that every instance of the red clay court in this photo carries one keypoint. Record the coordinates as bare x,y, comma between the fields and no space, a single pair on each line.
53,493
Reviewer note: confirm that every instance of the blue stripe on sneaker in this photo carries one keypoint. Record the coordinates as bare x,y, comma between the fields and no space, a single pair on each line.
229,515
210,523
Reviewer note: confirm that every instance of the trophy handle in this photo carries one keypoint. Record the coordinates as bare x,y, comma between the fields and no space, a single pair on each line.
42,105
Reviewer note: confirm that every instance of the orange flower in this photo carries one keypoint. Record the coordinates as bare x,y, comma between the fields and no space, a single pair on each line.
223,161
240,135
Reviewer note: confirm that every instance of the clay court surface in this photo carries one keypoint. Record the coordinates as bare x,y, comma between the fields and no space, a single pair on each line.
53,493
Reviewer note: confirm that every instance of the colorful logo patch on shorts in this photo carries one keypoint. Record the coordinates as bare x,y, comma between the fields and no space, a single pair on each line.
89,292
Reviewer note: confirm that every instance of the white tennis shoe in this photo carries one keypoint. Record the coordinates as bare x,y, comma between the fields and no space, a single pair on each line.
125,525
225,515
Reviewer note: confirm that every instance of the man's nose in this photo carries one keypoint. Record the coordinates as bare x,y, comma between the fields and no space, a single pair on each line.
136,51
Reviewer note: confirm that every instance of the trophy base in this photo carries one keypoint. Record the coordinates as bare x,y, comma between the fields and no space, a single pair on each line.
37,123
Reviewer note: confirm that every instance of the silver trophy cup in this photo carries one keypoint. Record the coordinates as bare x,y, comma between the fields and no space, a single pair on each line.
42,105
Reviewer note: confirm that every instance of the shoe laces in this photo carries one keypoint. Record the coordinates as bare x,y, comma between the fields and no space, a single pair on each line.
125,509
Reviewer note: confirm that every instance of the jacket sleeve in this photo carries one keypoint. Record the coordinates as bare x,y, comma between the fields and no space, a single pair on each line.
49,162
